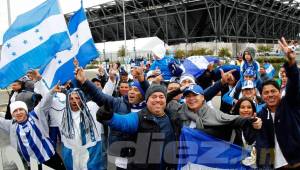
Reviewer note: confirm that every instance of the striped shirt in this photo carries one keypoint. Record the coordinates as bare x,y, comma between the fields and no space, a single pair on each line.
31,140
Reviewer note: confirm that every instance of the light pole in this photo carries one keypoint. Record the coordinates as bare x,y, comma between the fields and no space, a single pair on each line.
134,48
8,12
103,41
104,55
124,20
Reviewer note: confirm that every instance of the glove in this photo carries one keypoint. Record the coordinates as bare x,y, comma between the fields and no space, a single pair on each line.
104,114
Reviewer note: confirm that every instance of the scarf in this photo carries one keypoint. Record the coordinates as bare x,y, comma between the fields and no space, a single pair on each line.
87,125
138,107
206,116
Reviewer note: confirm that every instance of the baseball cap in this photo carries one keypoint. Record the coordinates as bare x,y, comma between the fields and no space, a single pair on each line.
196,89
248,85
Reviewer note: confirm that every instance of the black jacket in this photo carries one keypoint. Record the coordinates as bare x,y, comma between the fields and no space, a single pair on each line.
149,132
286,126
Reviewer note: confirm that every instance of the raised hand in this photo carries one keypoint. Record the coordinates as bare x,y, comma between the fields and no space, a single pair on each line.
113,74
35,75
182,88
101,70
56,88
138,73
227,77
80,75
291,55
79,72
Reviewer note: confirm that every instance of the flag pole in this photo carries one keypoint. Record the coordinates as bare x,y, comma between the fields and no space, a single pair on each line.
8,12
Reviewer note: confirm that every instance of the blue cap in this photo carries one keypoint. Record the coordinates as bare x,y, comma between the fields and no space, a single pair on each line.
249,72
196,89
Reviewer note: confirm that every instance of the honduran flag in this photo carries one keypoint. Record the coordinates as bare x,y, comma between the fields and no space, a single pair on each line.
270,70
32,41
61,67
196,65
201,151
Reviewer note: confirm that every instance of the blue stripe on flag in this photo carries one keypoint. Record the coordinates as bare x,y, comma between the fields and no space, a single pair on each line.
34,58
192,69
32,18
75,20
213,59
198,148
87,52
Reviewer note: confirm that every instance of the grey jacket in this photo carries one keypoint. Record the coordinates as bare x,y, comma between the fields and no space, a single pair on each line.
214,122
206,116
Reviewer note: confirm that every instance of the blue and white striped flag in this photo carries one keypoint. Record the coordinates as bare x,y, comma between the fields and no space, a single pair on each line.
61,66
201,151
270,70
196,65
32,41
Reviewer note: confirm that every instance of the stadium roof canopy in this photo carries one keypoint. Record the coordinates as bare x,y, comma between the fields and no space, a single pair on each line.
141,44
177,21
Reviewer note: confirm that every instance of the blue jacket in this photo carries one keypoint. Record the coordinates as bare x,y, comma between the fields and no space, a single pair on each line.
117,104
286,126
162,64
148,129
244,65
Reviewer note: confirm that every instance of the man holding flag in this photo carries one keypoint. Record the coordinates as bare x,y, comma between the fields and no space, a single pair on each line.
81,148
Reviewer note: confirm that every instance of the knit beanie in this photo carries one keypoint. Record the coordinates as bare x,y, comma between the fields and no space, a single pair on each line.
16,105
138,85
155,88
187,77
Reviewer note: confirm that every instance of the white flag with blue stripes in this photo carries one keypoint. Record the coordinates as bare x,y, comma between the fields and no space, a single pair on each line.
32,41
196,65
61,66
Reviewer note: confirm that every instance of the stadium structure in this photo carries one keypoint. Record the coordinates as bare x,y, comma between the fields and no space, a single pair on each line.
187,21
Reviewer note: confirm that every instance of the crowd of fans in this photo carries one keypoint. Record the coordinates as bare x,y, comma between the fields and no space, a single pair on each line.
133,119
